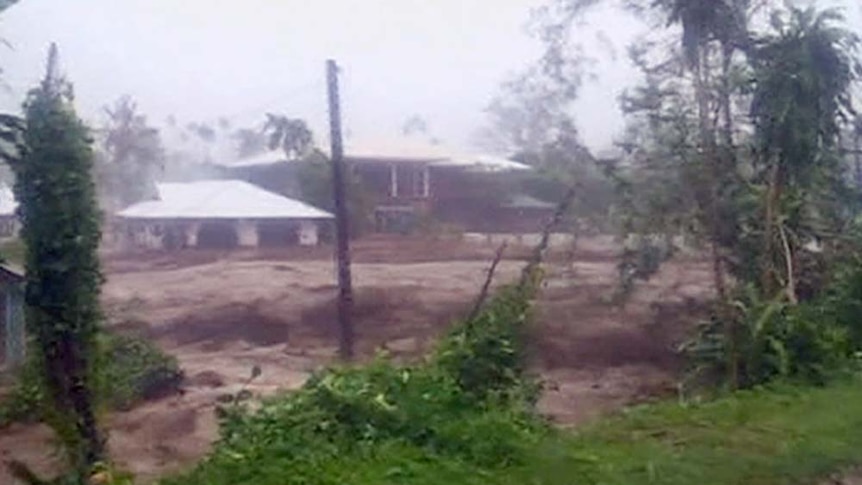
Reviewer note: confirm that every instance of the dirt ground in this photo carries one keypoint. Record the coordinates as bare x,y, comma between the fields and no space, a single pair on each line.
221,314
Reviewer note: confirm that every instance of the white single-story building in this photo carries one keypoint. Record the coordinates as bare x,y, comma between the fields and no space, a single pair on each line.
219,214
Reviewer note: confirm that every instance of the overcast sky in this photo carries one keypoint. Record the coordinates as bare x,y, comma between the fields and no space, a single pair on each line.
203,59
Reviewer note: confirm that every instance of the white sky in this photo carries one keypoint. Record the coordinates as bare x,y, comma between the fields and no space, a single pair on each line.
202,59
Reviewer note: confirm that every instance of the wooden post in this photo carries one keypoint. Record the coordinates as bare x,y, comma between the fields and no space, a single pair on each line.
342,225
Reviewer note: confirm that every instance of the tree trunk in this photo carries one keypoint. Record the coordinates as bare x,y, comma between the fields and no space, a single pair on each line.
726,105
857,148
713,166
713,169
767,276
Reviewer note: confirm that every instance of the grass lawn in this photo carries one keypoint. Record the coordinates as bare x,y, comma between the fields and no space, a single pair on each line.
780,436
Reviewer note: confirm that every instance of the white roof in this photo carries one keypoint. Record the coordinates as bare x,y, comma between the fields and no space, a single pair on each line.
484,163
266,158
220,199
401,150
435,154
8,204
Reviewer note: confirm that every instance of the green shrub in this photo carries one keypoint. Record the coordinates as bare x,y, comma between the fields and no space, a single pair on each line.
486,355
349,413
130,370
775,340
136,370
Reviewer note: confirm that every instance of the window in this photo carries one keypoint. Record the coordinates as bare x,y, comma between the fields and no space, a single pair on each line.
421,182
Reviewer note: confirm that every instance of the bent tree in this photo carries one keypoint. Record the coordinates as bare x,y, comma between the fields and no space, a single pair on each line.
60,227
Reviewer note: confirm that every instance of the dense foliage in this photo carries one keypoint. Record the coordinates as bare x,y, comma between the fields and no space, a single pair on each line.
737,141
132,370
812,341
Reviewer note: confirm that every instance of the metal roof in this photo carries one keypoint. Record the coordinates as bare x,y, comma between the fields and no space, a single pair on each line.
268,157
401,150
220,199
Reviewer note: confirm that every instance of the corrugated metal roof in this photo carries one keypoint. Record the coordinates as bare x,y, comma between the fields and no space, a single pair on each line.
484,163
409,150
401,150
220,199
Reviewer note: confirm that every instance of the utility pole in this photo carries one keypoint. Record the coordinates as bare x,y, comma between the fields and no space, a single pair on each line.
342,225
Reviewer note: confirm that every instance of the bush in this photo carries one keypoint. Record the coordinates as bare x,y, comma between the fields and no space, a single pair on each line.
486,356
775,340
130,370
342,414
136,370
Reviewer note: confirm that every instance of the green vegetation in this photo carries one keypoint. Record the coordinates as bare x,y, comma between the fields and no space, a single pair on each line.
766,436
384,424
809,342
131,370
738,140
60,228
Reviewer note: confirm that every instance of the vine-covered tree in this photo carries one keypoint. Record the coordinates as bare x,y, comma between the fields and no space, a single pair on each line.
60,222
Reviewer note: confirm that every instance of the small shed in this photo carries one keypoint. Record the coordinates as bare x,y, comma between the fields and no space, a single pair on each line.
12,331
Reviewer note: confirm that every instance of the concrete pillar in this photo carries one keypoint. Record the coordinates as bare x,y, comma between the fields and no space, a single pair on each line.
426,181
308,233
393,181
150,239
247,233
192,230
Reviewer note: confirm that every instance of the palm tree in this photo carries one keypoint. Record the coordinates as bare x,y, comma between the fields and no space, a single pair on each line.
804,73
705,22
289,134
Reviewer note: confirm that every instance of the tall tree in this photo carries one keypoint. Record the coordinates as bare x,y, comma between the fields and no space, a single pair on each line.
291,135
803,73
132,155
60,222
856,136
